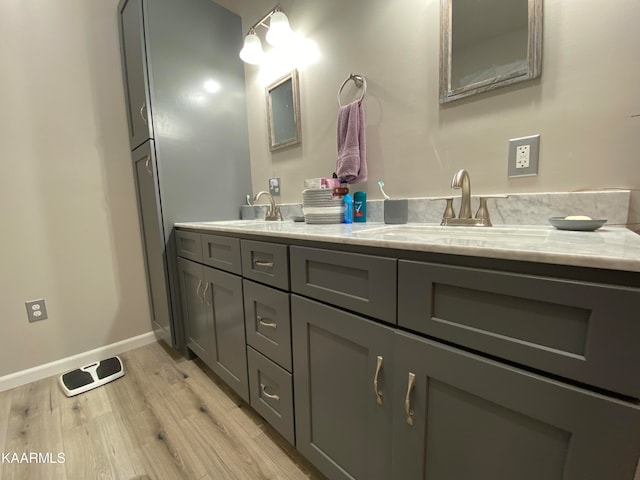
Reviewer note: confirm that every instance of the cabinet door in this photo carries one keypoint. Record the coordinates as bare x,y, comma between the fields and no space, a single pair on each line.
195,313
134,68
463,416
342,398
153,239
228,349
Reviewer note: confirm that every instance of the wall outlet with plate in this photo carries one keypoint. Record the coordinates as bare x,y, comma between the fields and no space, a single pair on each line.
274,187
36,310
523,156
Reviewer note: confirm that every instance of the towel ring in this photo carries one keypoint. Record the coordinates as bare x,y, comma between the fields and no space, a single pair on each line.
360,82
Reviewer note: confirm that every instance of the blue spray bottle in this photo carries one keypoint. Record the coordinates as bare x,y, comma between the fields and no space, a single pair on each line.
348,208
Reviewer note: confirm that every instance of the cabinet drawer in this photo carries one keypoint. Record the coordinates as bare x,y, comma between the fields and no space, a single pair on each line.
268,322
582,331
266,263
362,283
188,245
271,393
222,252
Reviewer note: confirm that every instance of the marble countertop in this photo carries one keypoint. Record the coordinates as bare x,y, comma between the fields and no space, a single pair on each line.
610,247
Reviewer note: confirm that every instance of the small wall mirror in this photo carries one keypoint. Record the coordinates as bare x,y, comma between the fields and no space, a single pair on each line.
488,44
283,112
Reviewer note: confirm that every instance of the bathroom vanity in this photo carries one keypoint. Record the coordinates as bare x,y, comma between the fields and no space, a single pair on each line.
424,352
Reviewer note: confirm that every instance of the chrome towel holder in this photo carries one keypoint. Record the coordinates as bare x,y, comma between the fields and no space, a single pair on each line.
360,82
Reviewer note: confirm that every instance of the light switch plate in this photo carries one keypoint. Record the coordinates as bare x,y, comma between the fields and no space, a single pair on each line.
523,162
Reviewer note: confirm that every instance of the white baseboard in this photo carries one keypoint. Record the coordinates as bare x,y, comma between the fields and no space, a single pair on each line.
75,361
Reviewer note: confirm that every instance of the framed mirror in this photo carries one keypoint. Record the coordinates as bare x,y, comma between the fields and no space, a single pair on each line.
283,112
488,44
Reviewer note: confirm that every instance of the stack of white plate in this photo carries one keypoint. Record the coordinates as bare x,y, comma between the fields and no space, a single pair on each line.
320,206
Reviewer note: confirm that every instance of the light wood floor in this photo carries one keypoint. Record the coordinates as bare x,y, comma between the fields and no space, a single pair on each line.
167,418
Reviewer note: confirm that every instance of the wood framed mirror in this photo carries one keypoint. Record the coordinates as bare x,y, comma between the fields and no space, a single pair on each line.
488,44
283,112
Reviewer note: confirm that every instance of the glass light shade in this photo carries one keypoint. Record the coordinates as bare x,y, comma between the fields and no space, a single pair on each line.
279,30
252,50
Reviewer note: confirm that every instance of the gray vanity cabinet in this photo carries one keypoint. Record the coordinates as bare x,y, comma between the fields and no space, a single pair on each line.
150,215
223,297
462,416
471,383
343,380
213,312
198,327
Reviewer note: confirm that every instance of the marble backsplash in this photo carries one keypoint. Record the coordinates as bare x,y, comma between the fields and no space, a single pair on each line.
517,209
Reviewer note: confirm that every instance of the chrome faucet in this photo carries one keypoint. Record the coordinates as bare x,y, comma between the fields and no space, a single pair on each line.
273,211
462,180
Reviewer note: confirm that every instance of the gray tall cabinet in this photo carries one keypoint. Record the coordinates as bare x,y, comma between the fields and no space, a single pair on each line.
186,111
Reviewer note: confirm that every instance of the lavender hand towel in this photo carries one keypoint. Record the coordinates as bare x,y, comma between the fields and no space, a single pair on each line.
351,166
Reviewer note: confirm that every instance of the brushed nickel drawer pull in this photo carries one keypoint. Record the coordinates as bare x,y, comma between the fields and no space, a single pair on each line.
266,324
142,115
201,297
260,263
269,395
147,166
407,400
379,361
204,293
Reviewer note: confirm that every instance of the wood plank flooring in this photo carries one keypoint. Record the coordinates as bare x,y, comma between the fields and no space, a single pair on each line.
167,418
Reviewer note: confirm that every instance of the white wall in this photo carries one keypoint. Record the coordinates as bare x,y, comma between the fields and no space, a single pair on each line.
69,223
581,106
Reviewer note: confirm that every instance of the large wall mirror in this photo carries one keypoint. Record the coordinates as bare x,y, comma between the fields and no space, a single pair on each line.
283,112
487,44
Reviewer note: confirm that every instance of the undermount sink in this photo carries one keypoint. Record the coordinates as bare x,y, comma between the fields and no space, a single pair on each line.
437,231
237,223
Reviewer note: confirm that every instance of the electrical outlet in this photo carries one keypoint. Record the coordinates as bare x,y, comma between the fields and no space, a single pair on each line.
274,187
36,310
523,156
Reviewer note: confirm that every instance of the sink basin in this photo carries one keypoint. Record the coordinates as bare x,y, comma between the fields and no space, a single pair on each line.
409,229
237,223
437,232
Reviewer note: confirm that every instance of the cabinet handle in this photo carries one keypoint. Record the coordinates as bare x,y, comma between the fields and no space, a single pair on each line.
266,324
259,263
375,379
142,115
198,291
407,400
147,166
204,293
269,395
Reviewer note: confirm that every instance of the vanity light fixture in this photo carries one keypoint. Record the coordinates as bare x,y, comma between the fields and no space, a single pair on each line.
279,31
278,34
252,50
